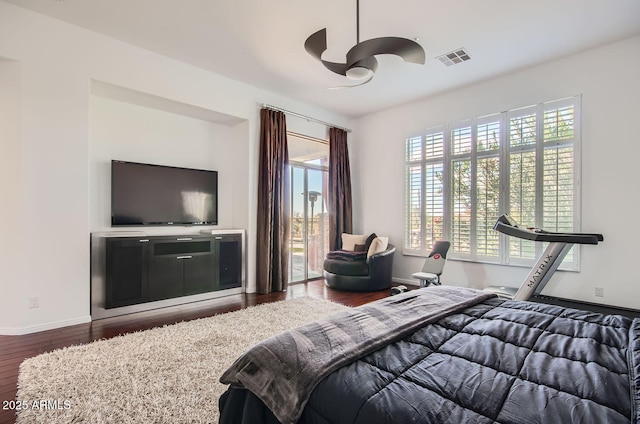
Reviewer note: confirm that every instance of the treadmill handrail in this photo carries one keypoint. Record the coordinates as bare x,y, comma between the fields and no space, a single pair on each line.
506,225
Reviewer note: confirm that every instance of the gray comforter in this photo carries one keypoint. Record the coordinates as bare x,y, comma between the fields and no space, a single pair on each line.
472,359
634,369
283,370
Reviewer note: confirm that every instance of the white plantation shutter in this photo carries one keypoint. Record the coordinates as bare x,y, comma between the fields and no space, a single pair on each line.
461,141
522,128
558,189
559,169
559,122
413,226
424,208
434,204
461,190
461,206
414,150
487,206
433,188
522,162
522,200
522,156
558,180
434,145
489,134
413,195
487,187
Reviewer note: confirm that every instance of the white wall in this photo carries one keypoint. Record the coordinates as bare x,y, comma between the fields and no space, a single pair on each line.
607,78
51,66
11,167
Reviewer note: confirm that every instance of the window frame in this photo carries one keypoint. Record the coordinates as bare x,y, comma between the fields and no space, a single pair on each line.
503,154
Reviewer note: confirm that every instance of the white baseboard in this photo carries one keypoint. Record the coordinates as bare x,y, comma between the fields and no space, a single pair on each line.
19,331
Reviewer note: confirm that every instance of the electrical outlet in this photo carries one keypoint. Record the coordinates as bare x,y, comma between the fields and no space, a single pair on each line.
34,302
599,292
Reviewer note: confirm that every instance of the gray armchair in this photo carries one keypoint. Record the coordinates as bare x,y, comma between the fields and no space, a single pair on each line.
370,275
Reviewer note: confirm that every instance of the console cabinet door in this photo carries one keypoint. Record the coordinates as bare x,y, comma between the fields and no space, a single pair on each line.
199,274
126,272
181,266
229,261
166,277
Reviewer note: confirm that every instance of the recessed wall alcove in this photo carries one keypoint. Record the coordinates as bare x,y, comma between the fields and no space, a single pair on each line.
129,125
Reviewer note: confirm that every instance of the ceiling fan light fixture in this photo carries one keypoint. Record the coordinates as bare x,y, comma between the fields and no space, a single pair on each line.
361,63
358,73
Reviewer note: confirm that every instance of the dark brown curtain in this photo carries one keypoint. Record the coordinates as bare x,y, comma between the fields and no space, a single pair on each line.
340,212
272,253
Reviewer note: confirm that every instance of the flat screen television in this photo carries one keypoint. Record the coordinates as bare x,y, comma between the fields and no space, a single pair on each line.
145,194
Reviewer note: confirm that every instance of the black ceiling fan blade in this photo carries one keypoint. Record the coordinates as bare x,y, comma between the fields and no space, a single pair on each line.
407,49
316,44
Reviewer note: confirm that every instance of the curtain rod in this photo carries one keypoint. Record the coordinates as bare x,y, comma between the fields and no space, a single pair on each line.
308,118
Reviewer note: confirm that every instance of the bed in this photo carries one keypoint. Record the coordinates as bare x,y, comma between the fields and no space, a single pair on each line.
442,355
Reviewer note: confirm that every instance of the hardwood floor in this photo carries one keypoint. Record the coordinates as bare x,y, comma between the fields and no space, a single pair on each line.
15,349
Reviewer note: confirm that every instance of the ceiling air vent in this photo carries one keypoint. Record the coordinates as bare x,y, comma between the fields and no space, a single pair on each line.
457,56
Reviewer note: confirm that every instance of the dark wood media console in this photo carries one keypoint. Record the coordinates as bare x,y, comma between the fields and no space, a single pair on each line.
141,272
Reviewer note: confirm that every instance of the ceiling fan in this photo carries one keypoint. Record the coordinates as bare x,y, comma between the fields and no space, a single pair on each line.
361,62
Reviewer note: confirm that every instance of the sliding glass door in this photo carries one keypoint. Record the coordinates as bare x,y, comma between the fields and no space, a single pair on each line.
309,237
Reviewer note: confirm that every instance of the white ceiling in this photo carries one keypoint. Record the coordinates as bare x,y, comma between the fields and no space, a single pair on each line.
261,42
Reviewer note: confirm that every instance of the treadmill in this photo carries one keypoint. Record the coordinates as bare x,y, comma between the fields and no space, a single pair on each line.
558,247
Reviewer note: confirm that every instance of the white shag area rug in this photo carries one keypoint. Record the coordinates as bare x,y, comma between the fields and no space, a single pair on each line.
163,375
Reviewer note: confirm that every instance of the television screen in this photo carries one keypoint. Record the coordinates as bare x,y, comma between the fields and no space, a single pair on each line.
145,194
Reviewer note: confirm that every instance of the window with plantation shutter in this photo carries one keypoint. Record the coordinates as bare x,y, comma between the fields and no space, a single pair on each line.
424,202
461,177
522,151
487,186
413,184
558,187
461,190
461,141
461,206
